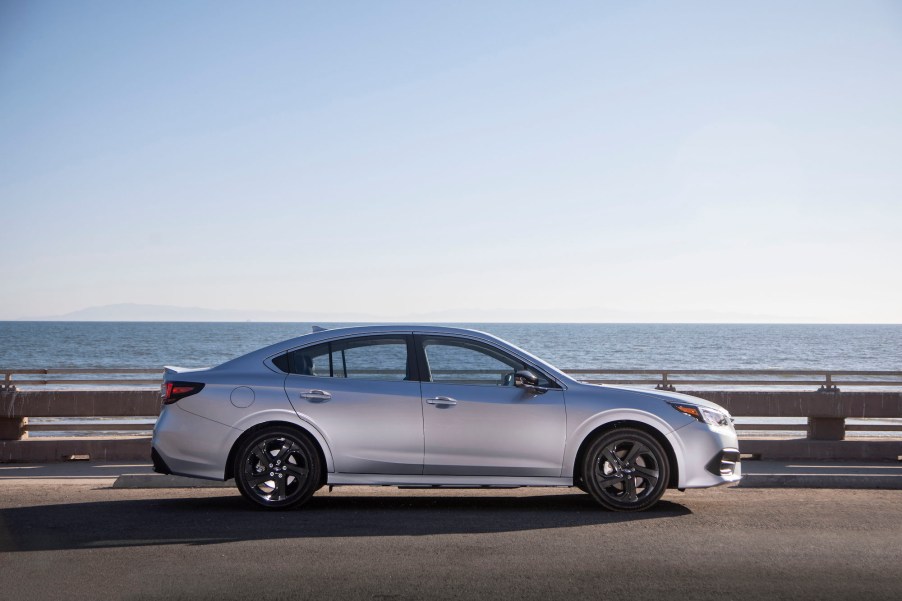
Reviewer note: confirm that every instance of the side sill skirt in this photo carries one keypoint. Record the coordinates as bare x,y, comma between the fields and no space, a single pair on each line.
435,481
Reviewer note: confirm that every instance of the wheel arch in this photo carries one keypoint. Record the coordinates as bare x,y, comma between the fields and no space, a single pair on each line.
657,434
319,445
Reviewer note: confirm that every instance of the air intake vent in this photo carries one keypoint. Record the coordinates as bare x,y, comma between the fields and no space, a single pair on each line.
724,463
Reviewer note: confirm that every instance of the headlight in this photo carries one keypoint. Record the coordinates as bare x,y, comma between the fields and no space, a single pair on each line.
705,415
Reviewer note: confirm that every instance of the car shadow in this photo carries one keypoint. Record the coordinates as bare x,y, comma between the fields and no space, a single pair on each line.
212,520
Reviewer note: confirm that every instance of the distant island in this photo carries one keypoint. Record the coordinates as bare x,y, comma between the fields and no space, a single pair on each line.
149,312
143,312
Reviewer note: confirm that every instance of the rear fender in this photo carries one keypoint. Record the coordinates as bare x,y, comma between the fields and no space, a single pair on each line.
284,416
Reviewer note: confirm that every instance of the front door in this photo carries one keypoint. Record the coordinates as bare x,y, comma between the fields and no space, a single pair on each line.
476,422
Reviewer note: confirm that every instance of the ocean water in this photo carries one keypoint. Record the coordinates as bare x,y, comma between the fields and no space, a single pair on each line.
568,346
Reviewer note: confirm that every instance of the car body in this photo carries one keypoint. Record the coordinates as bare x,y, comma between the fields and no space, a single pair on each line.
431,406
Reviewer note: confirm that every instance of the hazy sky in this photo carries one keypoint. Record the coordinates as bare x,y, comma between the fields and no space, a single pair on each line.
566,161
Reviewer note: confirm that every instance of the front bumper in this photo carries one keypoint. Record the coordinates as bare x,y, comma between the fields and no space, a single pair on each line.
709,455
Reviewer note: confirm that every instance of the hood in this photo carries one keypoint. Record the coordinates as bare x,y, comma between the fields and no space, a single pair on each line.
667,395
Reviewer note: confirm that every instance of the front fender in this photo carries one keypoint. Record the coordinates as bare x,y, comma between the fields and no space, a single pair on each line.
603,418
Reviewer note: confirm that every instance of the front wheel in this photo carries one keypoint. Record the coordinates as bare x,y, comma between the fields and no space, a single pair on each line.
277,468
626,470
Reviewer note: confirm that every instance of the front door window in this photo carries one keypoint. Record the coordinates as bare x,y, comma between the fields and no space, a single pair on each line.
454,361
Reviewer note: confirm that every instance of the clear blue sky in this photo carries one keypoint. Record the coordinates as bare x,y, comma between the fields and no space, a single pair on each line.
597,161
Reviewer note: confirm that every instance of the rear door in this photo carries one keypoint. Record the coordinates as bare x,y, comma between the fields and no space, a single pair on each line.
363,395
476,422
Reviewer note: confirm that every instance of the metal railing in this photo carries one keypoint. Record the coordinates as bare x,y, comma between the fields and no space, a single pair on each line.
826,380
10,384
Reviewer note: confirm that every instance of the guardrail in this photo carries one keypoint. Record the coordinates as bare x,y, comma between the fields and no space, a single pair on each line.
825,409
827,380
9,384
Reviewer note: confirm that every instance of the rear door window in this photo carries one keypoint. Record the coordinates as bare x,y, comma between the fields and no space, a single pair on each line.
367,358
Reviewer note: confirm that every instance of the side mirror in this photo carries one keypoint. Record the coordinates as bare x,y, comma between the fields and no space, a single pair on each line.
528,380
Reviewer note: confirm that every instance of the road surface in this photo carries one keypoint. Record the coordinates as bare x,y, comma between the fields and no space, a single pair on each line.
83,540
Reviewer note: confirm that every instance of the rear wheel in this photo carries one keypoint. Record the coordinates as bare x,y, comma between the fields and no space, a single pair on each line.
277,468
626,470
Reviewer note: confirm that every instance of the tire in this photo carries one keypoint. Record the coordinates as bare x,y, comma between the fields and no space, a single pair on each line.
626,470
277,468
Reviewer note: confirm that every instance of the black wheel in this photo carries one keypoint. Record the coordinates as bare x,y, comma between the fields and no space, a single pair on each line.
626,470
277,468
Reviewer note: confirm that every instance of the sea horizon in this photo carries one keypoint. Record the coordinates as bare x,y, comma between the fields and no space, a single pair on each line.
570,345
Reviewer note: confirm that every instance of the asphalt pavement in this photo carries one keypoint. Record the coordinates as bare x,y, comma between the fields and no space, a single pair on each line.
756,474
77,537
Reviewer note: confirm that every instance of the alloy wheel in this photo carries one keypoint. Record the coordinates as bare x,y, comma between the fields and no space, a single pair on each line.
277,469
626,470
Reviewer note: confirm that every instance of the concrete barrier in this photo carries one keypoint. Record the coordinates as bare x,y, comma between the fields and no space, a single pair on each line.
826,413
17,406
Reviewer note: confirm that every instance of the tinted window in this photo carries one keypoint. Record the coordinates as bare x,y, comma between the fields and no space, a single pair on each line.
309,361
464,362
281,362
371,358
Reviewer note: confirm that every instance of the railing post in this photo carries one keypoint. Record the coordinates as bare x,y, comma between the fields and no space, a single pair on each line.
7,385
828,385
665,385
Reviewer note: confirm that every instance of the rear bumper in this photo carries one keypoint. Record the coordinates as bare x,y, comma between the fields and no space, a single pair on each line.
185,444
159,465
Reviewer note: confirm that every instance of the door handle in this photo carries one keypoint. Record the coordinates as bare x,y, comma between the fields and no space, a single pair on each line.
441,400
316,396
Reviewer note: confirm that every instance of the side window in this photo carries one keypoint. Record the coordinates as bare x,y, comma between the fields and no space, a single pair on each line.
370,359
463,362
309,361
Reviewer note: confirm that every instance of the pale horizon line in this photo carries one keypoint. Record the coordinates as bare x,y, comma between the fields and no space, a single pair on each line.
152,313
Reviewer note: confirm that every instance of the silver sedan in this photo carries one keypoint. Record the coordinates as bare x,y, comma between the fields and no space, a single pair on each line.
431,406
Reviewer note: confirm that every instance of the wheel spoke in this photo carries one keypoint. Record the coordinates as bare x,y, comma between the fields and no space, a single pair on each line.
283,451
261,454
259,479
609,481
288,447
610,457
651,476
280,488
636,450
297,471
629,489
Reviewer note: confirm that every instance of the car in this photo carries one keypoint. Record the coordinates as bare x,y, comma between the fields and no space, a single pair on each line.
429,406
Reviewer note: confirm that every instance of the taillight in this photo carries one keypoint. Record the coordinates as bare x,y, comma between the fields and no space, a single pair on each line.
173,391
